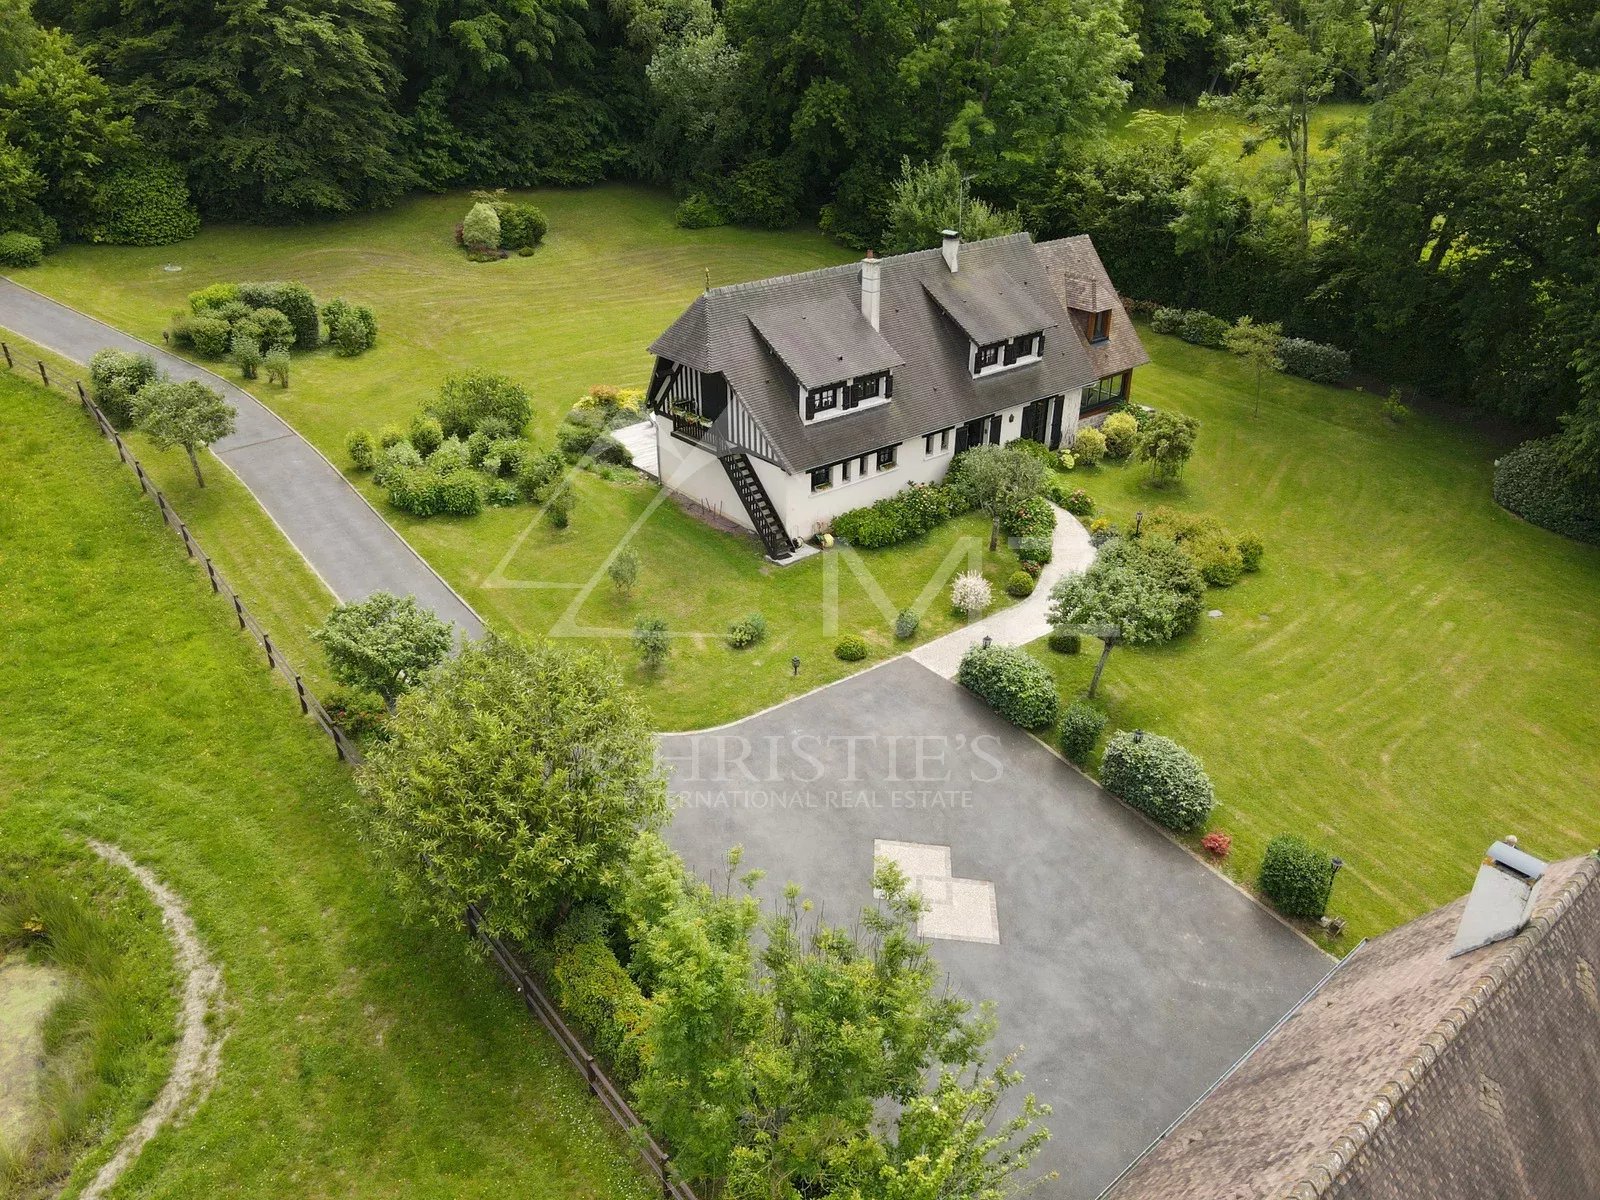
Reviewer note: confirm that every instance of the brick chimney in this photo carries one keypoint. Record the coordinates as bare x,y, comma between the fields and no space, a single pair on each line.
870,269
952,250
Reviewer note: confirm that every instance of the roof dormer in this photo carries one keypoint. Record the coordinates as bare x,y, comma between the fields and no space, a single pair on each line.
1004,322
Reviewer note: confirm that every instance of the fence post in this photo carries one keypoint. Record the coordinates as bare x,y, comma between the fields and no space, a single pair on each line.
187,543
82,395
7,349
300,690
139,471
42,374
211,574
338,743
266,644
239,610
121,453
161,502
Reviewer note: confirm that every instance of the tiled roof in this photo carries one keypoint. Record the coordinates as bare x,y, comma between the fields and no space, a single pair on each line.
825,343
933,388
1411,1075
1081,283
989,305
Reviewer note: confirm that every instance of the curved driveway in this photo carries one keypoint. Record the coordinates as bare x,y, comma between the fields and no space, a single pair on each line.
1130,974
348,544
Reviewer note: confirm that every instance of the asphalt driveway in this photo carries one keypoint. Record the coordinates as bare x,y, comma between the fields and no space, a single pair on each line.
1131,975
348,544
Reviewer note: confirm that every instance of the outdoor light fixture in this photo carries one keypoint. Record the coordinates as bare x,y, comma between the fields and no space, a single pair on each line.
795,663
1138,735
1138,520
986,640
1336,864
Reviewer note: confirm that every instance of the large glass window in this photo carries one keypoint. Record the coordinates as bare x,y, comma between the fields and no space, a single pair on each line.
1099,326
1103,394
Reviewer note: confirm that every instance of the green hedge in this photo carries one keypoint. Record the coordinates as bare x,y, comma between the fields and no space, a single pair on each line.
906,514
145,204
1081,727
20,250
1296,877
602,1002
1013,683
1160,778
1316,361
1532,482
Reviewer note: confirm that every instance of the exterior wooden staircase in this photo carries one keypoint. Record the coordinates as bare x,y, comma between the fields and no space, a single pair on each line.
758,504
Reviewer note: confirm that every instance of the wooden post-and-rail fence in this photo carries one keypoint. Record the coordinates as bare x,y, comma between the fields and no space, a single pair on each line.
309,704
534,997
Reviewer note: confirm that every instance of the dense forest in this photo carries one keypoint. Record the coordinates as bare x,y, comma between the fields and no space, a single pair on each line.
1448,238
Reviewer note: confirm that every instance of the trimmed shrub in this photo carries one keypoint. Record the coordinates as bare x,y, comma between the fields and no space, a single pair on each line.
1251,552
522,226
20,250
481,229
351,335
270,327
470,399
1532,482
426,434
697,212
359,714
412,489
1035,517
970,593
390,435
276,365
1038,550
401,456
117,377
1012,682
1296,877
747,631
208,336
1220,562
460,492
1160,778
1065,461
906,514
1089,447
358,445
1202,329
598,996
905,624
449,455
558,508
1217,844
1166,320
1074,499
1064,641
244,352
1081,727
1121,431
213,296
1020,584
478,447
851,648
1316,361
525,251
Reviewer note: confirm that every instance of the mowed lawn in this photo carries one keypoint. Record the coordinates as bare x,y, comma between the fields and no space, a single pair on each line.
364,1057
1413,673
613,274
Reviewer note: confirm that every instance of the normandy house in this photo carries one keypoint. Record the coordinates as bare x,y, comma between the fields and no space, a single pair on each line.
784,402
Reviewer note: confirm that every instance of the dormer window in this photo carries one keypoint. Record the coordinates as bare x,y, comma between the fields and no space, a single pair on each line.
1099,326
864,391
1013,352
823,399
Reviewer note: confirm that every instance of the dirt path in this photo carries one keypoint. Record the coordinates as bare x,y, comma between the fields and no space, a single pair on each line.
199,1039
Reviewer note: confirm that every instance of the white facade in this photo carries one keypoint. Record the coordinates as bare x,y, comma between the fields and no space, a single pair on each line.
698,475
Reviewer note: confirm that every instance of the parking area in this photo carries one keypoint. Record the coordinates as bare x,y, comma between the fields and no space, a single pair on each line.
1130,975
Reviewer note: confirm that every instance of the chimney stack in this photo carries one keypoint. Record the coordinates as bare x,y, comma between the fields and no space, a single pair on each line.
870,268
1501,897
952,250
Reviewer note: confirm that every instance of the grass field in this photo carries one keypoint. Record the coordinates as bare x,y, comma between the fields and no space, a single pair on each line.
613,274
364,1058
1227,131
1411,675
254,556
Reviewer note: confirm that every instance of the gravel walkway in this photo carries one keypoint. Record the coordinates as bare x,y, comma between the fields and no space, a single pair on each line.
1024,621
344,539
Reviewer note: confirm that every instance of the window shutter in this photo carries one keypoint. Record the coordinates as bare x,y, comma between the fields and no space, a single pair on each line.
888,385
811,405
852,394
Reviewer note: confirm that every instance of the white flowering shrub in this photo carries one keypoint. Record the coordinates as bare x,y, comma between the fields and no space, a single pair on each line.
970,593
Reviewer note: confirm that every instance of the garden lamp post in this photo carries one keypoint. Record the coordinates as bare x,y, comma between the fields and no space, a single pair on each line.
1109,636
987,640
795,663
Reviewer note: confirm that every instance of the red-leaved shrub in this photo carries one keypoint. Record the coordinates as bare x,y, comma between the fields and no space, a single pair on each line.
1217,843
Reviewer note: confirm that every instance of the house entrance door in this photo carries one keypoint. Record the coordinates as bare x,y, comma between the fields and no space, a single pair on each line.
1034,417
974,432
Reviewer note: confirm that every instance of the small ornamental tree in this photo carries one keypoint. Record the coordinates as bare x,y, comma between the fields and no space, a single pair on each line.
1259,346
244,352
970,593
516,777
999,479
1159,778
187,414
1150,589
383,644
623,569
1296,877
651,640
117,377
1166,440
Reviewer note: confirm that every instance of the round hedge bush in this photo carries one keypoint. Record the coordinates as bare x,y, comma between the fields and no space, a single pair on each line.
1296,877
1081,726
851,648
905,624
1532,482
20,250
1065,642
1020,584
1013,683
1159,778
